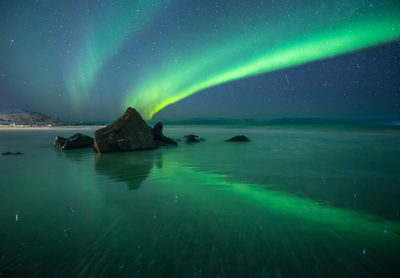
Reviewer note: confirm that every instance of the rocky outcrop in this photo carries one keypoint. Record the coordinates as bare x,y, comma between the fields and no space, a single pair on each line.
238,138
160,138
128,133
76,141
191,138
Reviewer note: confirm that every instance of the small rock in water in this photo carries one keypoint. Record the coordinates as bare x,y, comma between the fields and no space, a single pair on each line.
191,138
160,138
10,153
76,141
238,138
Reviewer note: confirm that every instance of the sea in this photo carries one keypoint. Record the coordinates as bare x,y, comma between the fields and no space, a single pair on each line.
295,201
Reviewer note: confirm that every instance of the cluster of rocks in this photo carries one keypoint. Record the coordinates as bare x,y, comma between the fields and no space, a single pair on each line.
128,133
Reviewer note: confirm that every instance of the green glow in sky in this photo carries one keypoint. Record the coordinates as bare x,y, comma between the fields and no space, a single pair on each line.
104,36
242,53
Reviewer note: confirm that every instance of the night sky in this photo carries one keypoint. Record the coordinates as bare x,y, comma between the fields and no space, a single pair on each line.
89,60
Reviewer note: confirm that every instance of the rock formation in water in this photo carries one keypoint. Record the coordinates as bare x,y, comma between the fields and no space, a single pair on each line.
191,138
76,141
160,138
238,138
128,133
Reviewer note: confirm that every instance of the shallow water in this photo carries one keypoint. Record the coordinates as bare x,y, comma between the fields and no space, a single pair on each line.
294,202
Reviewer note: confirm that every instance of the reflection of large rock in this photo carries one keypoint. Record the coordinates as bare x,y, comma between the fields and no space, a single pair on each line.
128,133
76,141
132,170
160,138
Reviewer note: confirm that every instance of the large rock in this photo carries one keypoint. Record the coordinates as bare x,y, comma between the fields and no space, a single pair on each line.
128,133
238,138
76,141
160,138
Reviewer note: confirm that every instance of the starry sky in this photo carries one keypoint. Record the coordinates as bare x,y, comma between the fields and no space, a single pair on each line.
174,59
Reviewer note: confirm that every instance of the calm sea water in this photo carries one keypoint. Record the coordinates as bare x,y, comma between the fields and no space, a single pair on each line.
294,202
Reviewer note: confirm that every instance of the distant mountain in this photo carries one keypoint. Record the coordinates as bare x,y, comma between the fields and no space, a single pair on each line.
23,117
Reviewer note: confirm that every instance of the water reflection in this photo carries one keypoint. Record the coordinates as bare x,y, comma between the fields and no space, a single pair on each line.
76,155
131,168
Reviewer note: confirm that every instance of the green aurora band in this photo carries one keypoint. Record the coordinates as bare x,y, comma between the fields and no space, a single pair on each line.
103,38
241,54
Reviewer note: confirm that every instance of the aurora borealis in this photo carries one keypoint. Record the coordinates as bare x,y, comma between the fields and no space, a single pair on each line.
255,54
92,59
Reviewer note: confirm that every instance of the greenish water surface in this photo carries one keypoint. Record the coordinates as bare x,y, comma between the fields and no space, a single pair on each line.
294,202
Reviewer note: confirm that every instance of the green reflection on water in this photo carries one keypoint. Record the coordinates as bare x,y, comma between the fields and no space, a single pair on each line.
355,223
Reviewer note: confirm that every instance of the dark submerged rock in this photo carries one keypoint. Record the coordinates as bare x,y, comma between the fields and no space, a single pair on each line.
78,141
10,153
160,138
238,138
128,133
191,138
